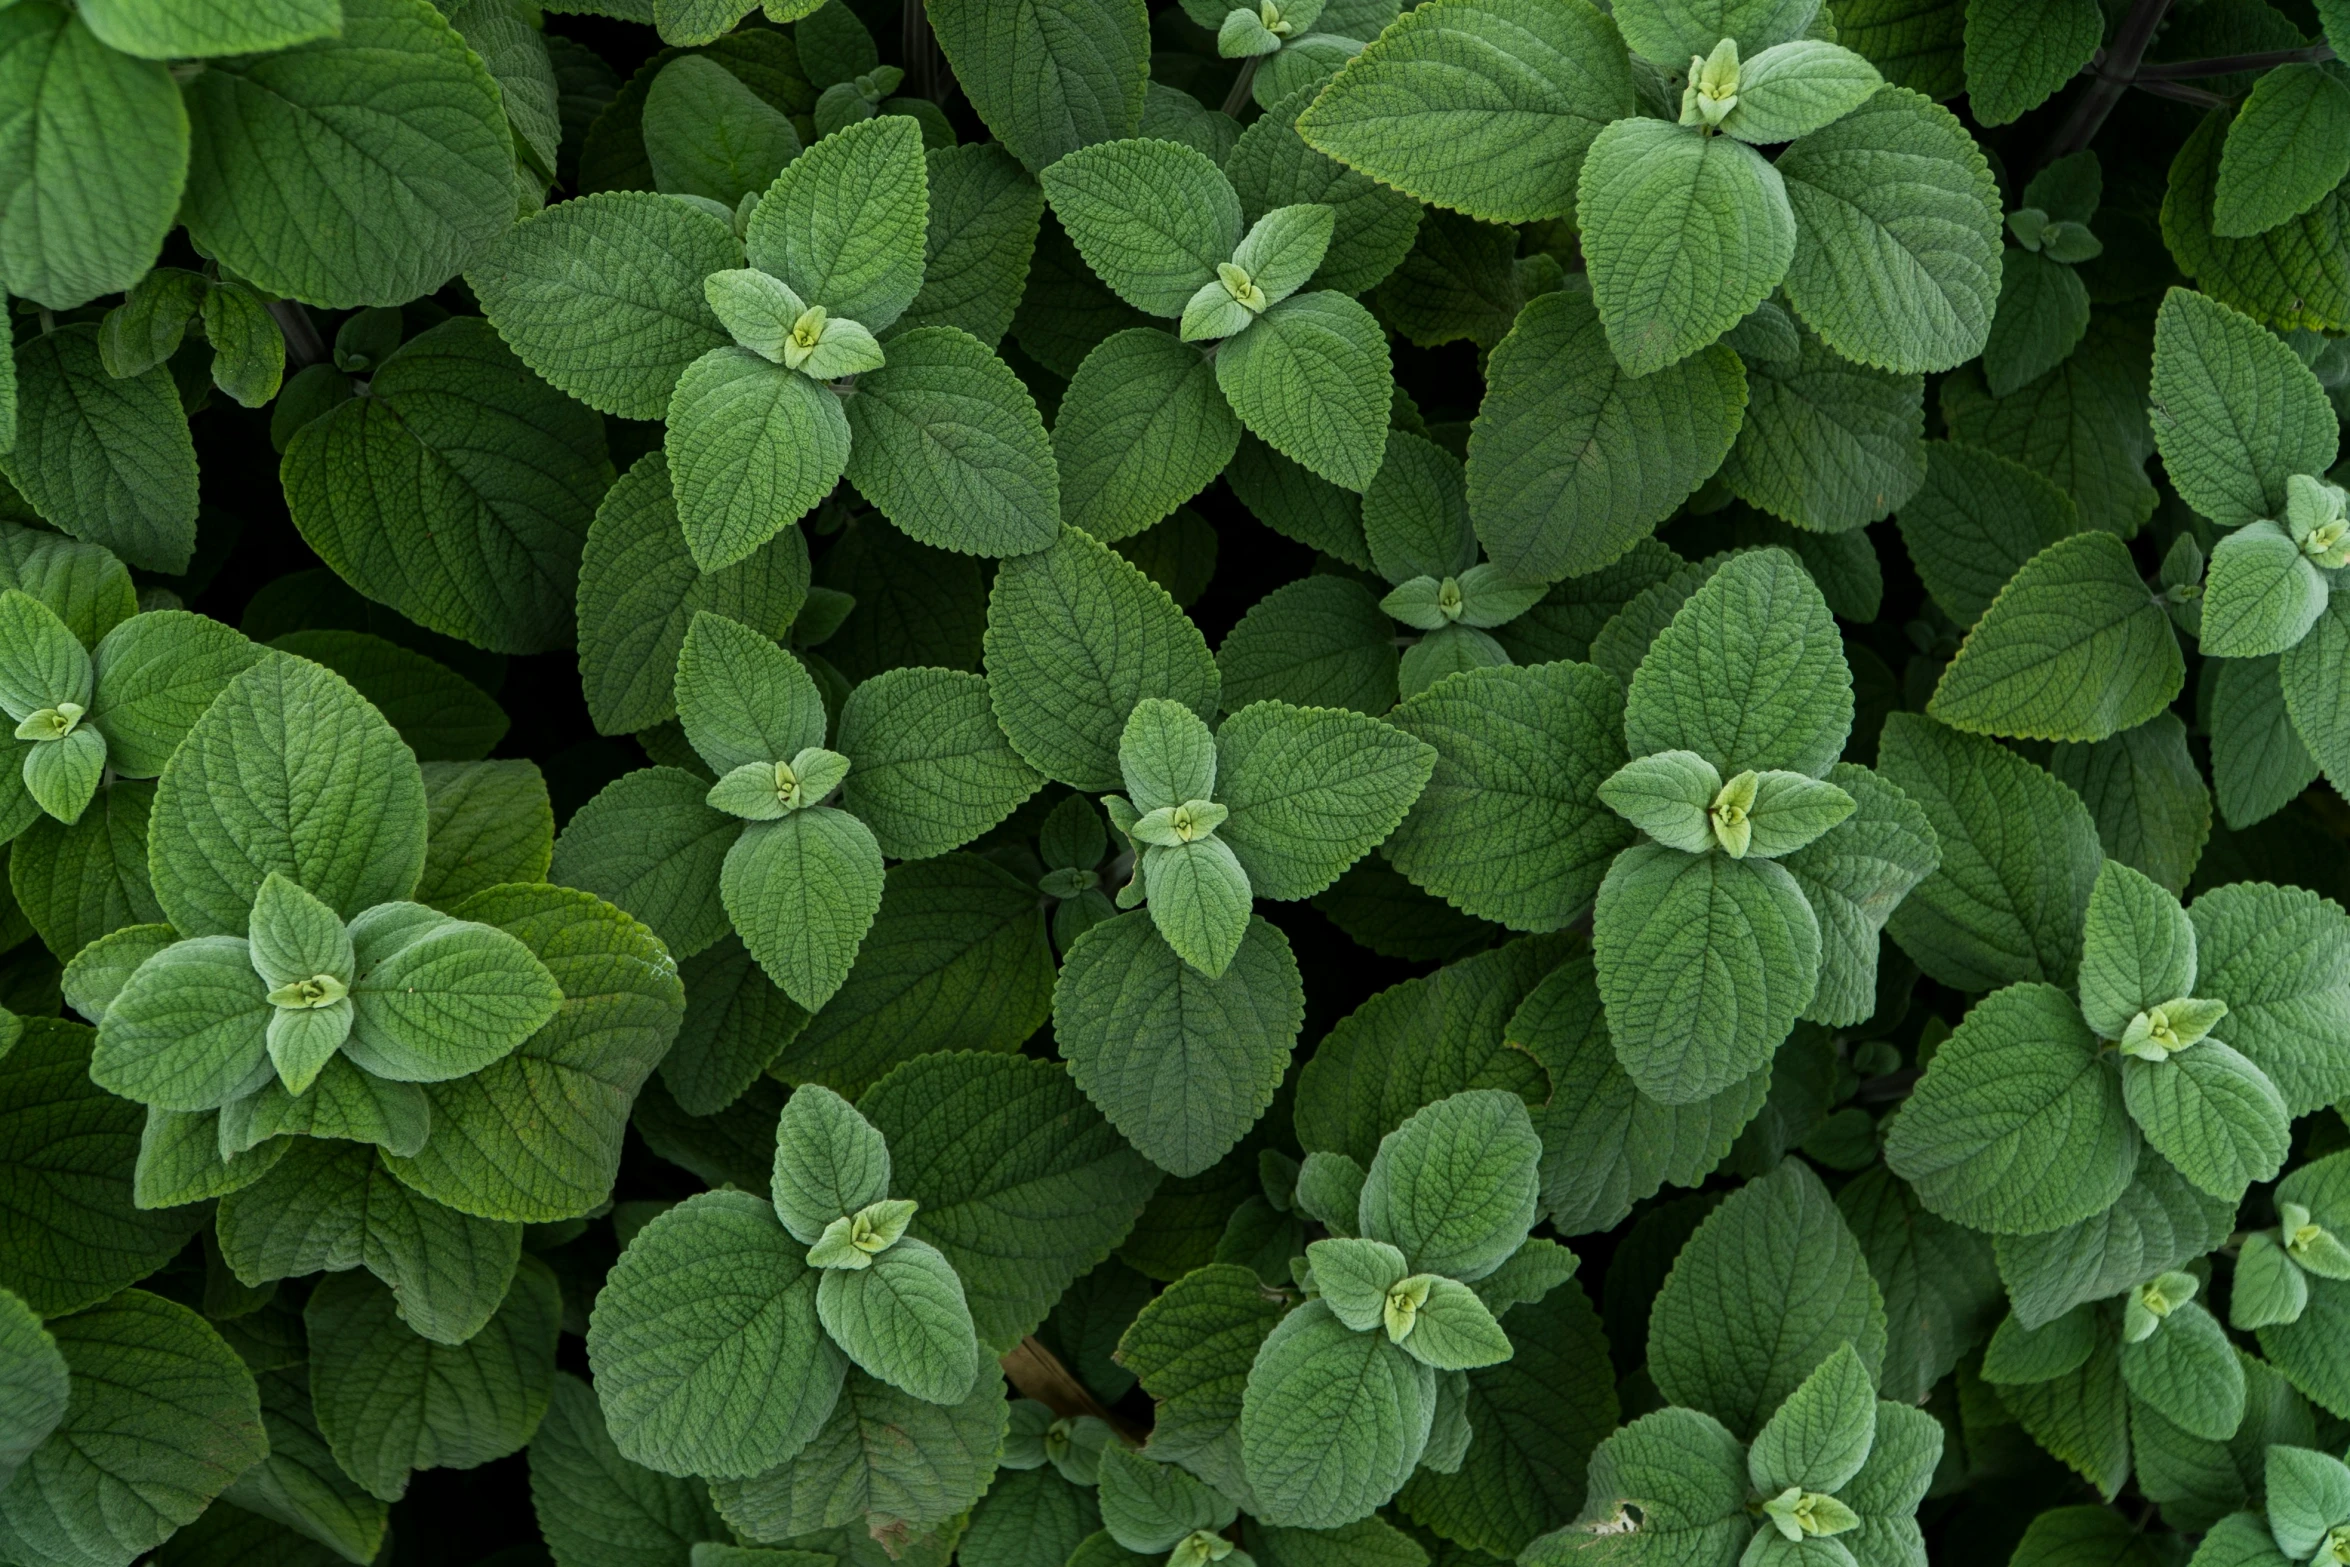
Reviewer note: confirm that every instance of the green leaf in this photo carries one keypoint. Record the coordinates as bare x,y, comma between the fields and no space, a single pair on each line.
2073,648
1312,379
948,444
439,998
596,1508
903,1319
1076,635
2018,1126
2236,413
710,1299
602,296
2153,812
1691,1015
2262,594
2043,311
1820,1437
1029,1517
187,1031
344,1102
334,1206
441,715
2312,672
1192,1347
162,1417
1484,106
156,674
407,192
1150,1507
2019,853
829,1163
1605,1145
1771,1284
490,824
1854,876
34,1373
2188,1372
1938,1280
1142,429
1333,1420
708,135
1681,1474
390,1402
751,447
1152,218
1975,522
1828,444
802,892
1794,88
957,960
1050,76
2159,1223
1311,791
1019,1213
1454,1187
70,1232
742,700
1181,1063
458,491
1684,234
1321,641
639,590
107,460
79,883
2083,425
1510,827
2272,953
886,1465
930,769
1750,674
1894,203
2019,53
2213,1114
2284,151
984,212
2137,950
536,1136
87,587
649,844
1272,165
93,159
290,770
1571,461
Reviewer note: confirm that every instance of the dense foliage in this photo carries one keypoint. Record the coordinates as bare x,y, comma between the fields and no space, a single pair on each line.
1048,783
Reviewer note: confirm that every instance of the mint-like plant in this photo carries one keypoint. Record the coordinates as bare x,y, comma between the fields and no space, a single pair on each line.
942,783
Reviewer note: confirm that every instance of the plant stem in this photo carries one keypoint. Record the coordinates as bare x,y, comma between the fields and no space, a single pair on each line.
1237,99
1038,1373
2114,69
303,344
2180,92
2230,64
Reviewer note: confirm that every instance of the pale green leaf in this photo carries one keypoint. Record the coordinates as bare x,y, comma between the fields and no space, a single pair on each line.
802,892
903,1320
1152,218
2236,413
2274,955
2261,595
2288,146
1142,429
752,446
649,844
2213,1114
1685,1477
1333,1420
1312,379
949,446
1050,76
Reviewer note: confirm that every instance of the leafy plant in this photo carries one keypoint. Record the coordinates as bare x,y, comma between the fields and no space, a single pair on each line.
944,783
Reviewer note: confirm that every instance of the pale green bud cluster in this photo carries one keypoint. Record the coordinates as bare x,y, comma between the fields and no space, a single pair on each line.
51,723
2150,1303
2158,1033
1799,1514
1200,1547
2317,515
853,1240
1250,32
1189,822
1405,1297
2059,239
765,791
1713,87
767,318
1732,811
